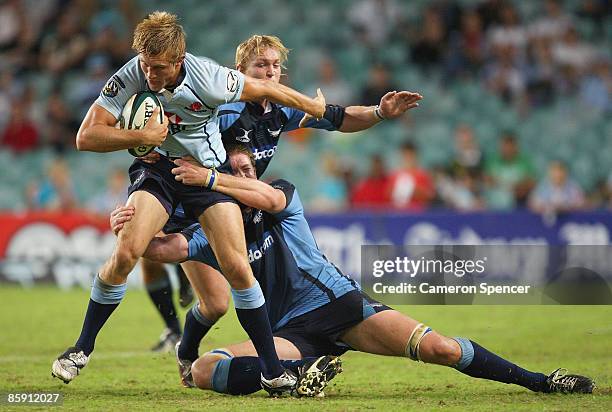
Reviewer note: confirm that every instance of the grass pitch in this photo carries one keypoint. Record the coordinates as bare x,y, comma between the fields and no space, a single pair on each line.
38,324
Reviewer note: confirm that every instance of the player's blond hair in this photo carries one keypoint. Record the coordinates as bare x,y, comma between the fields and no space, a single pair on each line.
160,34
255,45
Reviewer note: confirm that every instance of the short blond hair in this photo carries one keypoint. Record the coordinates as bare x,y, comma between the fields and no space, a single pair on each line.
255,45
160,34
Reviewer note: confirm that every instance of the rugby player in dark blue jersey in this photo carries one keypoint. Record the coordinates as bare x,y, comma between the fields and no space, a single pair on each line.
313,308
258,125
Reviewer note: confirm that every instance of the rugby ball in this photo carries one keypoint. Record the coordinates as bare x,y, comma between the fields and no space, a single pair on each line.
136,113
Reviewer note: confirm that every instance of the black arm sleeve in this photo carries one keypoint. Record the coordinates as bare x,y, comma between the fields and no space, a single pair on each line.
334,114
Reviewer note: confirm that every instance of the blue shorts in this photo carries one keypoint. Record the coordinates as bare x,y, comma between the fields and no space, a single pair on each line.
157,179
317,333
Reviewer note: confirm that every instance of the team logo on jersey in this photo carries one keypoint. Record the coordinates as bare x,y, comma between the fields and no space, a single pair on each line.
111,88
195,107
245,137
275,133
232,82
258,217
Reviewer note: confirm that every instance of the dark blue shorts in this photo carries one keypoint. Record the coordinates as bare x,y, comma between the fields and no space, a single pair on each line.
157,179
317,332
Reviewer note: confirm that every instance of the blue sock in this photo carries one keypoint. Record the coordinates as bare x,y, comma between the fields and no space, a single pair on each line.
253,316
160,292
242,375
104,300
478,362
196,326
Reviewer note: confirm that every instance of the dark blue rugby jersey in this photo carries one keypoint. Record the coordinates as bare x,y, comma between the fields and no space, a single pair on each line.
246,123
294,275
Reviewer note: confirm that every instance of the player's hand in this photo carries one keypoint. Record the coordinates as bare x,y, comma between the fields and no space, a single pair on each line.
394,104
150,158
320,99
190,173
154,133
119,216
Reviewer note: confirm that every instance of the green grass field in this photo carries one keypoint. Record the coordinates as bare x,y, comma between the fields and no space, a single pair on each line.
37,324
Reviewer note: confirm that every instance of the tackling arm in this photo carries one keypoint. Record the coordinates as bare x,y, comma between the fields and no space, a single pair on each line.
99,134
250,192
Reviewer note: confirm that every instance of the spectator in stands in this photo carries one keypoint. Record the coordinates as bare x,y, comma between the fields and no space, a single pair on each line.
379,83
374,21
331,193
467,47
372,192
56,192
504,76
509,175
540,73
20,134
113,195
429,42
468,158
508,32
61,125
460,192
596,87
412,188
553,24
572,52
556,193
335,89
66,47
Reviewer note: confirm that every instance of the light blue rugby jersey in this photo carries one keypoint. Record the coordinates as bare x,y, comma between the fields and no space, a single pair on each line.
191,108
294,275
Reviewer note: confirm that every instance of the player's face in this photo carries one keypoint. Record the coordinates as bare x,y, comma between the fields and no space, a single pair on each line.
159,71
266,66
242,166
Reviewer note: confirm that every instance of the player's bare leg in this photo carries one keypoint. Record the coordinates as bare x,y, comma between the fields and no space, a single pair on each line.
223,227
394,334
212,291
110,284
157,283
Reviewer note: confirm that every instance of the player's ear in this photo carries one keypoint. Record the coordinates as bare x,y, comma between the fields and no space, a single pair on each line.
240,68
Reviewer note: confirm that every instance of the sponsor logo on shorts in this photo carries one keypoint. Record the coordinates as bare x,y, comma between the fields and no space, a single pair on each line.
139,178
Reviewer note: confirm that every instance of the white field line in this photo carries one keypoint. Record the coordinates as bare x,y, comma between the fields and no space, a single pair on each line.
102,355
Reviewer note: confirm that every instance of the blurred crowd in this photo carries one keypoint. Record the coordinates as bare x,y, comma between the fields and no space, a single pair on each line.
530,64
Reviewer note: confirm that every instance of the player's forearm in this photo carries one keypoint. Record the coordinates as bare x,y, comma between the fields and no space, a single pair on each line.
261,89
251,192
102,138
357,118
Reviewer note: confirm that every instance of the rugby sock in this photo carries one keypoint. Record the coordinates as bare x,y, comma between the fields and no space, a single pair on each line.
196,326
253,316
103,301
242,375
160,292
478,362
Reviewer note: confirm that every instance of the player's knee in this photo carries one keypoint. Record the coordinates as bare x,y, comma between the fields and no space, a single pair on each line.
238,272
202,371
440,350
215,307
125,258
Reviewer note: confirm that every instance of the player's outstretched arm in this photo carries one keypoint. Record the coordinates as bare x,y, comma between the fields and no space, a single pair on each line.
256,89
98,133
250,192
357,118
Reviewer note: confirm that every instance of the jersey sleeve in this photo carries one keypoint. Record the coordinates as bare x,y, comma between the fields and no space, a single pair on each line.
294,204
331,121
120,87
199,247
218,84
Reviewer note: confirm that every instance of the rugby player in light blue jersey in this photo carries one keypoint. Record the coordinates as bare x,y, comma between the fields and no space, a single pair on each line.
316,311
190,89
